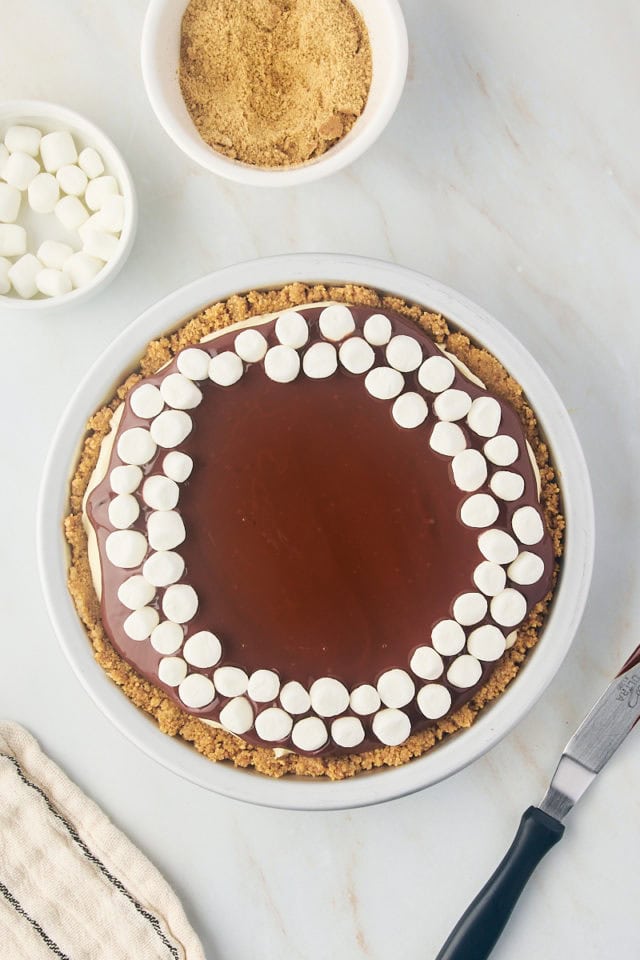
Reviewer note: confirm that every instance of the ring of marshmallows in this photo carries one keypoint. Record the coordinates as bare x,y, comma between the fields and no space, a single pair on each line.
504,555
47,172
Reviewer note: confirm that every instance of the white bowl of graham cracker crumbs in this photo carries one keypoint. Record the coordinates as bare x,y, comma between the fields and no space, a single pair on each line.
280,113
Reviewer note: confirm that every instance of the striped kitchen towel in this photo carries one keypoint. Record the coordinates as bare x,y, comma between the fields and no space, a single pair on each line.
72,886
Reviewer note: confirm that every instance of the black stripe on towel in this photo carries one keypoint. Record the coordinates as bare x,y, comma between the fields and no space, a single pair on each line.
17,906
114,881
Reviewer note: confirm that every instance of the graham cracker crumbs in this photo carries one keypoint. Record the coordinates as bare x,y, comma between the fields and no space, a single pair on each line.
209,741
274,82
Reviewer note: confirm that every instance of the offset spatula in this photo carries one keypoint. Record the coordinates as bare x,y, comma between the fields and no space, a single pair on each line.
595,741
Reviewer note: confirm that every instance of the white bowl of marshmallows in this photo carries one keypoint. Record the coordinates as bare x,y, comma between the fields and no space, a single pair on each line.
68,210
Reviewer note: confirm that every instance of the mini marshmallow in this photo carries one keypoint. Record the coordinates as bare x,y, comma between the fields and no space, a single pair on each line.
464,672
163,567
250,345
71,213
377,329
273,724
329,697
193,363
479,510
172,671
160,493
509,608
123,511
527,525
99,190
167,637
469,608
469,470
5,283
356,355
43,193
447,439
53,254
196,691
23,139
489,578
497,546
452,405
171,427
91,225
91,162
20,169
309,734
13,240
81,267
484,416
347,732
4,156
125,548
320,361
179,392
125,479
502,450
436,374
180,602
72,180
511,639
57,149
448,637
282,364
165,529
526,568
53,283
294,698
364,700
237,716
225,368
104,246
10,200
427,663
507,485
336,322
177,466
409,410
404,353
135,593
486,643
395,688
384,383
203,649
391,727
434,701
291,329
22,275
136,446
264,686
140,623
111,215
146,401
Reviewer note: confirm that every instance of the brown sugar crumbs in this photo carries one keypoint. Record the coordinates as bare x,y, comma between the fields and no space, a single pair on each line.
274,82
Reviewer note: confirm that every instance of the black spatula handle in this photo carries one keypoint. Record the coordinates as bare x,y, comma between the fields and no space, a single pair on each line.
478,930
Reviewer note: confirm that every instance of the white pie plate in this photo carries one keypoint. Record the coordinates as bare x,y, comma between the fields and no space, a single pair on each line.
496,720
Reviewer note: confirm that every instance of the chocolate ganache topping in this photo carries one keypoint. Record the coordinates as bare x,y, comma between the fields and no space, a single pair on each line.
317,530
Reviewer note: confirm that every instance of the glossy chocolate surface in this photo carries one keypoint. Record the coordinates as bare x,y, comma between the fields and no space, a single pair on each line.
322,538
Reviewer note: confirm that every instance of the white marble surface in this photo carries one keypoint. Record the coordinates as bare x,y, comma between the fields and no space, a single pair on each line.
510,172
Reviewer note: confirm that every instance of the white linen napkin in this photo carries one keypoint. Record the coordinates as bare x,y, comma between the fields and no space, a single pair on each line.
72,886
